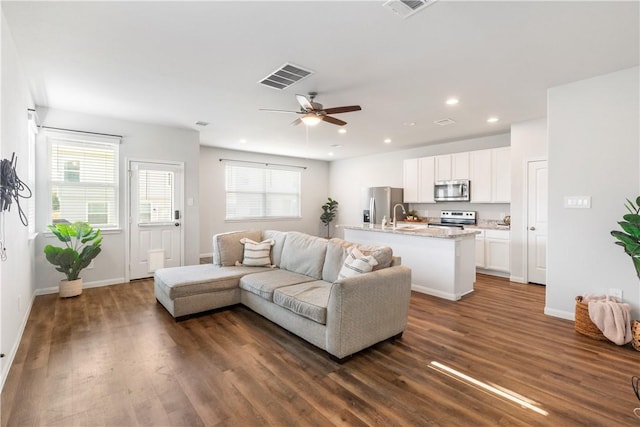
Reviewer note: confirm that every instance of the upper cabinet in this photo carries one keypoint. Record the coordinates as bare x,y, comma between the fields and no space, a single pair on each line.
490,175
410,180
418,180
452,166
488,170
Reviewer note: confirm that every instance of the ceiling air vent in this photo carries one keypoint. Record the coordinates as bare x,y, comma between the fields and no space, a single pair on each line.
285,76
406,8
444,122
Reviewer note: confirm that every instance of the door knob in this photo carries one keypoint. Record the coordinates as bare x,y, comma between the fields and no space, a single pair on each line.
532,228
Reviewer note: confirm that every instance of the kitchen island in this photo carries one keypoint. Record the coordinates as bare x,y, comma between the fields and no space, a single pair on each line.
442,261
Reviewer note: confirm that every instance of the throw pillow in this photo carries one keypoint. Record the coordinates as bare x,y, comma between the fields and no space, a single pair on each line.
257,254
356,263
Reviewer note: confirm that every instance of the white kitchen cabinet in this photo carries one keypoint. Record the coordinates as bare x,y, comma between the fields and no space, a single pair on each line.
480,249
496,246
480,176
411,181
501,175
490,175
452,166
426,177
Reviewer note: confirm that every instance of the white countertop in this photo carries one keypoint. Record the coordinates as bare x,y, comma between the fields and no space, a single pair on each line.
419,230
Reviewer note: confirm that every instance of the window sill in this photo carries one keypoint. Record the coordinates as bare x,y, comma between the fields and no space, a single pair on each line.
103,232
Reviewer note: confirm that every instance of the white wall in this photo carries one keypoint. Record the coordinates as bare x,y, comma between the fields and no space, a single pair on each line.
349,176
315,179
528,143
594,151
141,142
16,273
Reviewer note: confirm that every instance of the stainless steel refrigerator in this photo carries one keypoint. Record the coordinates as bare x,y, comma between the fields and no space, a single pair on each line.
378,202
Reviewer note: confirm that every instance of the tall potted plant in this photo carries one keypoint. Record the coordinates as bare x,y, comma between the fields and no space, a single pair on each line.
329,211
81,246
629,239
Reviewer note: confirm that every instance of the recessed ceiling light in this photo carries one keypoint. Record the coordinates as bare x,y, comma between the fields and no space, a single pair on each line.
336,145
387,141
409,124
452,101
201,123
492,119
243,141
330,153
343,130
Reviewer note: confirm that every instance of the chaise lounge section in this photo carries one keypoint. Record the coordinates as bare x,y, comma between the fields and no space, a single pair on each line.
339,296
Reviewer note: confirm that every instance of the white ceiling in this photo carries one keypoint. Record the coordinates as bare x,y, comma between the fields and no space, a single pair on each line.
176,63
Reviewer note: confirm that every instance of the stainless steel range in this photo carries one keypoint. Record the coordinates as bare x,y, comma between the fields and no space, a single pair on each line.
455,219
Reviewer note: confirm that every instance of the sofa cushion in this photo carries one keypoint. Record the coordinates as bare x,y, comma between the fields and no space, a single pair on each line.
309,299
276,251
188,280
337,250
227,249
304,254
257,254
263,284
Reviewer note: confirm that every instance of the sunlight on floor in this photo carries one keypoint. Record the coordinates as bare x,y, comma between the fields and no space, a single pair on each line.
495,390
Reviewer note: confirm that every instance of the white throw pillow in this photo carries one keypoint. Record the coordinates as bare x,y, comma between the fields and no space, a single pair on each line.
257,254
356,263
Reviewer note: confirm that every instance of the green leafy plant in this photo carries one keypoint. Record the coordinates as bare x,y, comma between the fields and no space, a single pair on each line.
82,245
329,211
629,238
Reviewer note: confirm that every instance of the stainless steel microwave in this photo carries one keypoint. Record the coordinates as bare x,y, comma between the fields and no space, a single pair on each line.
452,191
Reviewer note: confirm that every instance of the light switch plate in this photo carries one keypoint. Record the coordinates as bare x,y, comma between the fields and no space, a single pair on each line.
616,293
577,202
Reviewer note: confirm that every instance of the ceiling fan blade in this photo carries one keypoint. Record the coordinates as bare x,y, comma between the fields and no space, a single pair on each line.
345,109
270,110
296,122
304,102
333,120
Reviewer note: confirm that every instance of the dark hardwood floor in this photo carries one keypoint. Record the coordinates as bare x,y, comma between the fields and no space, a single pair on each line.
113,356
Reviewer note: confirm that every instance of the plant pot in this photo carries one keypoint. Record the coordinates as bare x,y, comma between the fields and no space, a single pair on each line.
635,334
70,288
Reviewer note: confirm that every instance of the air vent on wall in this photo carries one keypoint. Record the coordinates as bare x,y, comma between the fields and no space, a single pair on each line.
406,8
444,122
285,76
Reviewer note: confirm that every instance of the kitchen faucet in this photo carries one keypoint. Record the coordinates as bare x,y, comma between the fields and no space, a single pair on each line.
395,220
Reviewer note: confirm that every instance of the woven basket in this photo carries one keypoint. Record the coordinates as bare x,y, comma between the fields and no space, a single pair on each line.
584,325
635,334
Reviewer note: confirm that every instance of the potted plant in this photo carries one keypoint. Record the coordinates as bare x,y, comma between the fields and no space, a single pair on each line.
629,239
329,211
82,245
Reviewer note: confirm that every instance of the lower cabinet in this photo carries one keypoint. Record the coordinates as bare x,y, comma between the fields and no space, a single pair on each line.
492,250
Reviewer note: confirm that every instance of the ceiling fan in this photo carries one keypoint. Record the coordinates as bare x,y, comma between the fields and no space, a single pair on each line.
313,112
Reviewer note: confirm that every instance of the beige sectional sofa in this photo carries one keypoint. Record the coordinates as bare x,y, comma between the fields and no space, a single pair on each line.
300,290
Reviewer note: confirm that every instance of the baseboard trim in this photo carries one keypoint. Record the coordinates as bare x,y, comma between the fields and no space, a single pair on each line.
437,293
14,350
517,279
85,285
206,255
569,315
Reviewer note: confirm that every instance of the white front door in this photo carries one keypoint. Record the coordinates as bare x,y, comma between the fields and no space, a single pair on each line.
537,190
155,217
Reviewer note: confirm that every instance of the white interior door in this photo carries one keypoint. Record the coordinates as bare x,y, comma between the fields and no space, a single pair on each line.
537,191
155,217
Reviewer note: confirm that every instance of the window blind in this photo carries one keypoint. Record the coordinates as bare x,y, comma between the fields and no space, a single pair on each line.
83,180
155,196
255,192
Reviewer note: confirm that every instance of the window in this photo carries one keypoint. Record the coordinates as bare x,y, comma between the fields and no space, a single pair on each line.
83,178
155,193
261,192
32,133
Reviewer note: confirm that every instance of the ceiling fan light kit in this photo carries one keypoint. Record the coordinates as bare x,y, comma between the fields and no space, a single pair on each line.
313,113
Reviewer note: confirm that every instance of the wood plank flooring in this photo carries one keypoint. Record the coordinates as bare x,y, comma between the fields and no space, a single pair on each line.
114,357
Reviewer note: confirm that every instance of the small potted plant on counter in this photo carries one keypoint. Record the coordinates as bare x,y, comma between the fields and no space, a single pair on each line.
412,215
82,245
